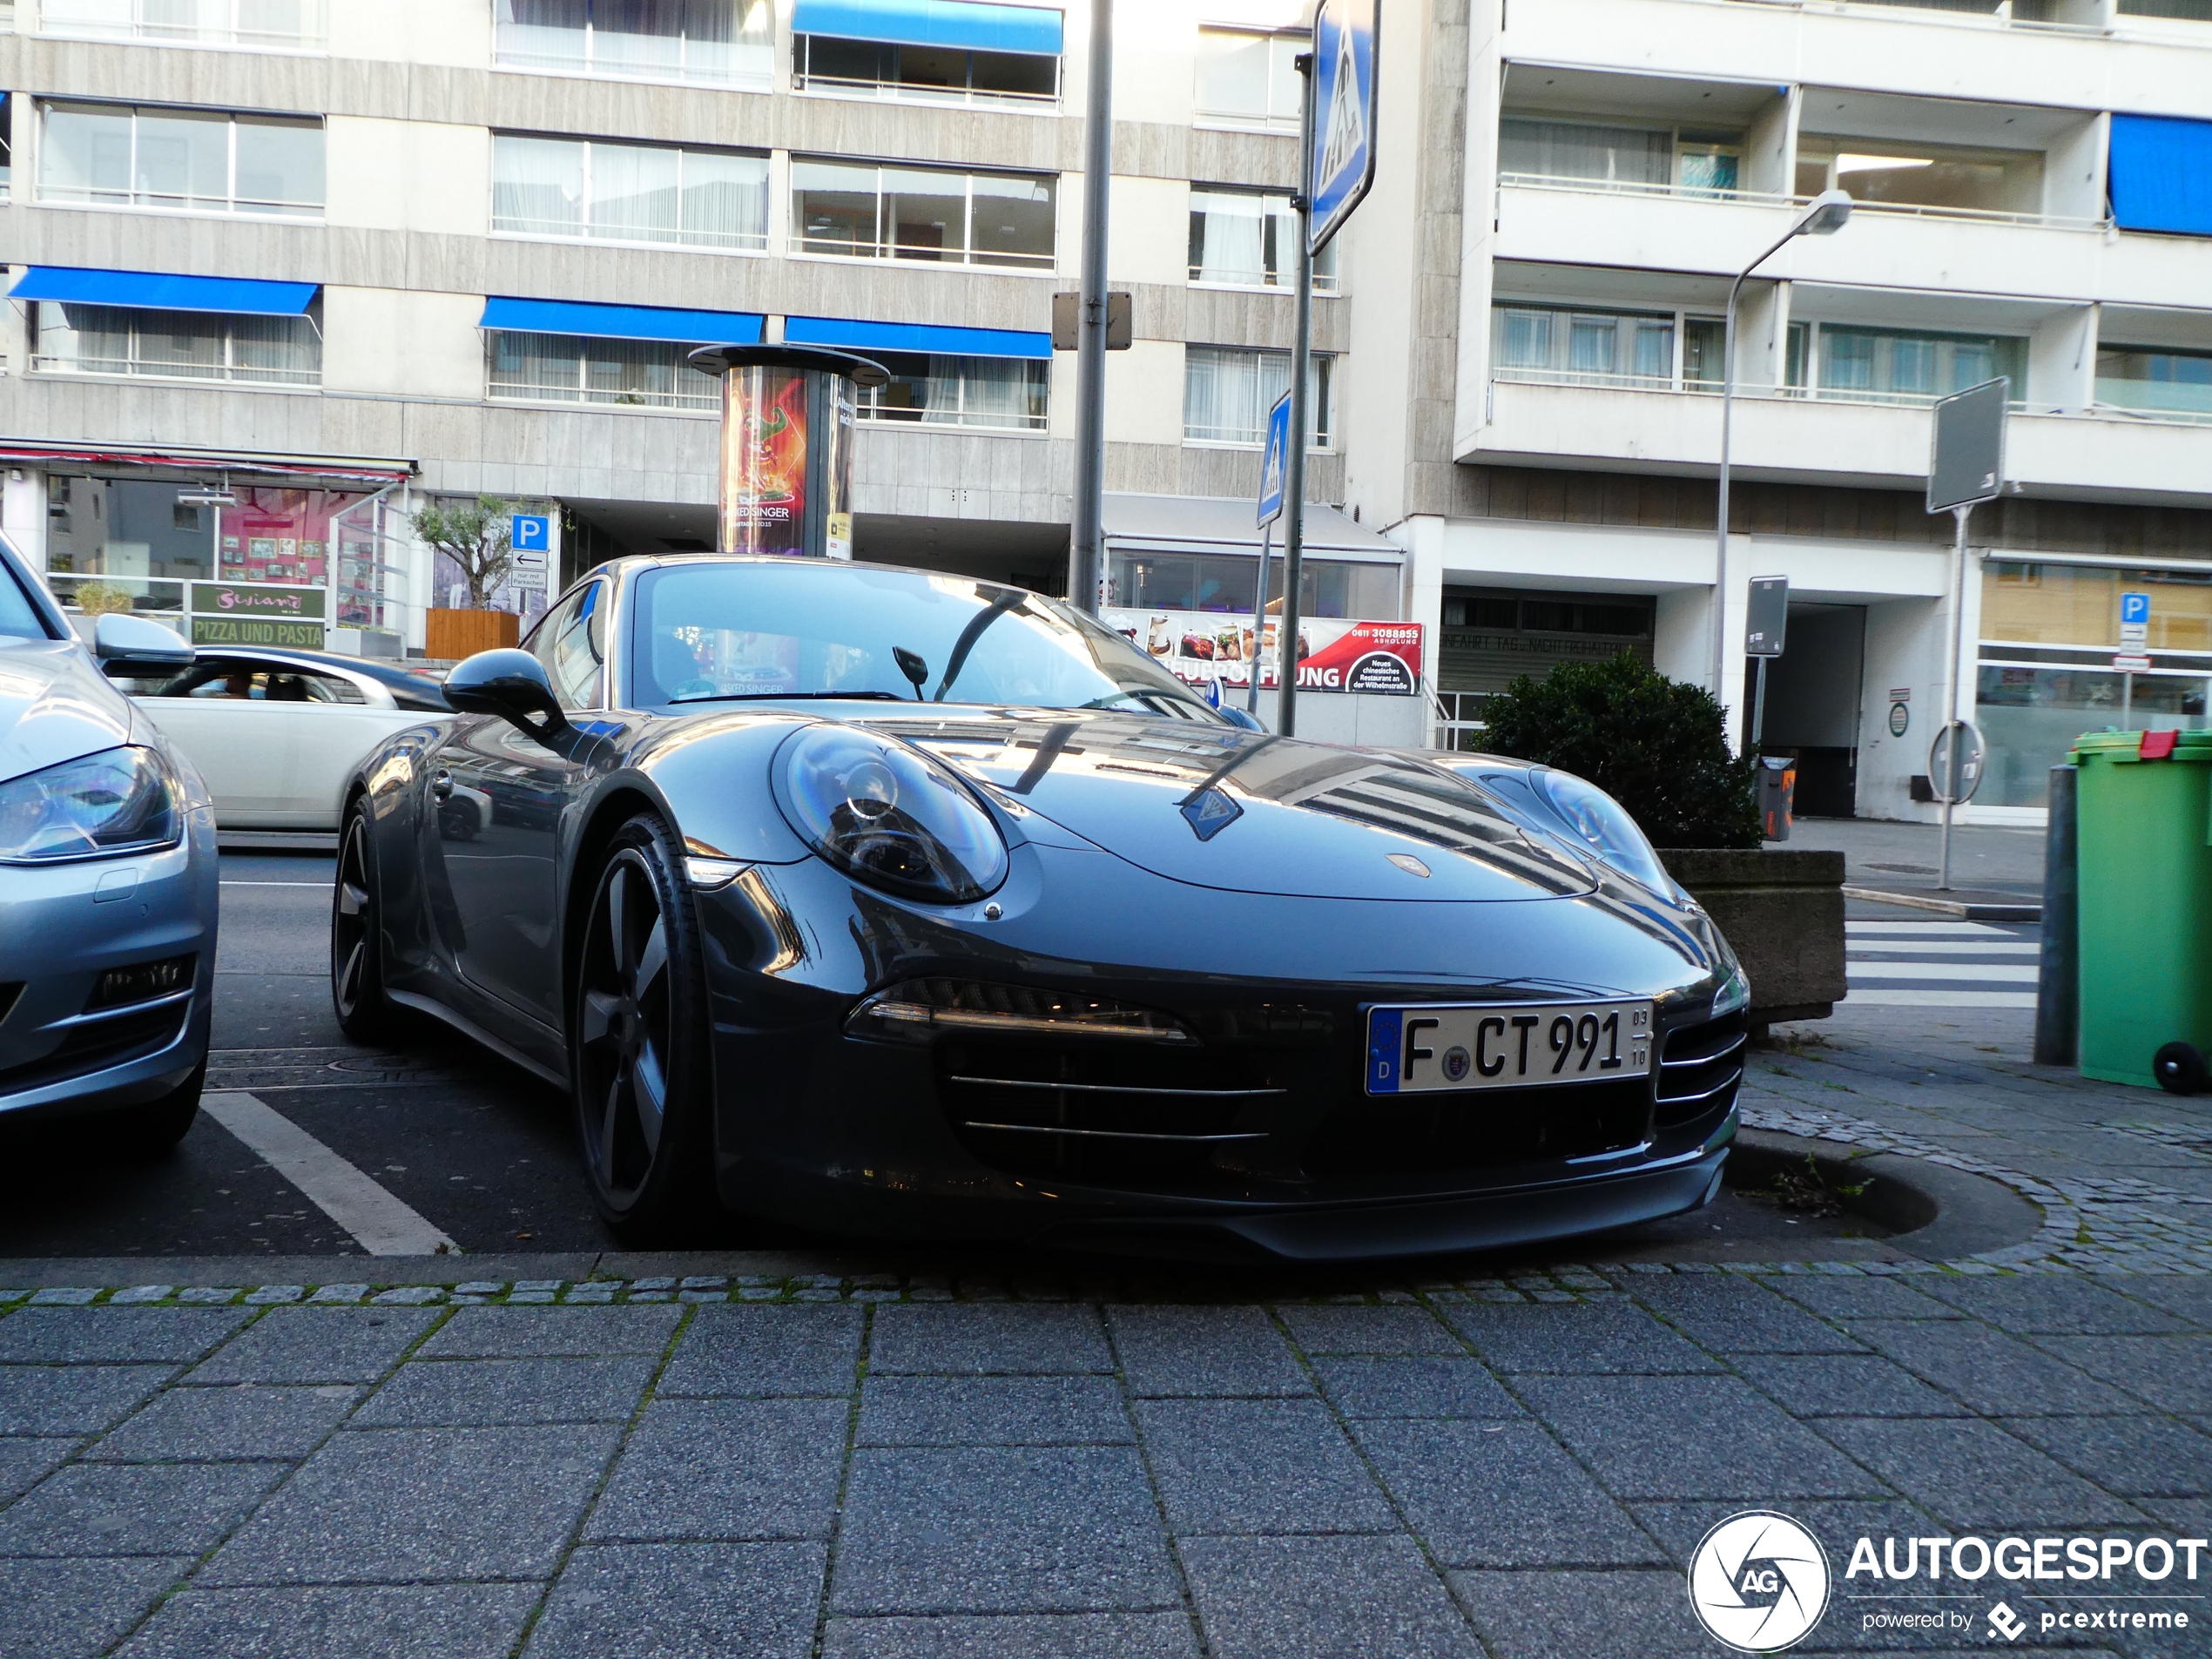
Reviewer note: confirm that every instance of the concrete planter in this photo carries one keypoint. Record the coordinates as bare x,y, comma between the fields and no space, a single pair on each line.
1781,909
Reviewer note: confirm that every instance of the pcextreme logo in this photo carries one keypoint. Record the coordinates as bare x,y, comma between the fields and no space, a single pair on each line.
1758,1581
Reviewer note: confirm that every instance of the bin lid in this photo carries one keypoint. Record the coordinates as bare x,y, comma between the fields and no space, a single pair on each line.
2119,747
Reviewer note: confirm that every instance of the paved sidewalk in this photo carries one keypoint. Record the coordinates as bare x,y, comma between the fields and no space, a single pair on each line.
1452,1460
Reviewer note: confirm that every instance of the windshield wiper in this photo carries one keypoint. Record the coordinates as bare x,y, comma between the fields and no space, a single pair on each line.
788,697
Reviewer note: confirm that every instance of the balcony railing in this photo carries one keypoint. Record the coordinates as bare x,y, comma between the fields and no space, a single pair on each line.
1761,198
2102,410
2018,14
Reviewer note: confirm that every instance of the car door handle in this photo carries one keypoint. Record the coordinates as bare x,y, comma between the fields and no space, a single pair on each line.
442,786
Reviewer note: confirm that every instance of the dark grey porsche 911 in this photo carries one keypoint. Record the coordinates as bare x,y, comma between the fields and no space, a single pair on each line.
880,901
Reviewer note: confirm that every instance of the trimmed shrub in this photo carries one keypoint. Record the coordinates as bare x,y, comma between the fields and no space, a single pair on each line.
1656,745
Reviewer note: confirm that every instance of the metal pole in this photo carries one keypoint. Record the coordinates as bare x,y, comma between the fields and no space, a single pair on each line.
1259,613
1294,461
2126,702
1720,551
1085,551
2058,983
1954,757
1758,709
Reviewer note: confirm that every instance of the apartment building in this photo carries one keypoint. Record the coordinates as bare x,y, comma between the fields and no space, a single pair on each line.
281,271
1530,402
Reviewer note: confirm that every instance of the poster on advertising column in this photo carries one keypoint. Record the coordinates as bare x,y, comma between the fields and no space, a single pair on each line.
1367,658
764,461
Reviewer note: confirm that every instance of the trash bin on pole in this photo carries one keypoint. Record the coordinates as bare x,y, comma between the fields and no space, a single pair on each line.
2144,841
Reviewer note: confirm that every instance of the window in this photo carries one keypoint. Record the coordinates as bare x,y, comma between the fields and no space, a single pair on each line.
1696,162
2194,11
572,644
567,368
197,161
1882,172
1248,238
708,43
934,74
178,345
1905,366
1228,390
1576,347
7,140
629,193
1227,581
1006,393
113,544
1251,79
192,23
2155,377
863,211
1704,341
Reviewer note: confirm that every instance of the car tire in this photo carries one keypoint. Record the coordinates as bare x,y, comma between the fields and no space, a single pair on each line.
641,1078
365,1014
151,1130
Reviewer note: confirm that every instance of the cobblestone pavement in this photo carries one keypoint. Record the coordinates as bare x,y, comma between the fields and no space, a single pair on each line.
1450,1460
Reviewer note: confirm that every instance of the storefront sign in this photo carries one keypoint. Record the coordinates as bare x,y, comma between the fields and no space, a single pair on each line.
1371,658
253,631
236,599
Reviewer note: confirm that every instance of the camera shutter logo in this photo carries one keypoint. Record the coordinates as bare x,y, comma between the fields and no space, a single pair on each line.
1758,1581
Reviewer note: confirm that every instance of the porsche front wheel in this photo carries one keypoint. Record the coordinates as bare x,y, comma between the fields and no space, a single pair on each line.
365,1014
639,1051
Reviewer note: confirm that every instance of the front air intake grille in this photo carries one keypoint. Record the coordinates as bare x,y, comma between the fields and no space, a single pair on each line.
1421,1135
1103,1114
1699,1068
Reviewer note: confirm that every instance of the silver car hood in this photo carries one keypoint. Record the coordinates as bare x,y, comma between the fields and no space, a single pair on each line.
55,705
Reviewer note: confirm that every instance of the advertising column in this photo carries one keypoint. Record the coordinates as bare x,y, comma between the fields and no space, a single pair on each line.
786,484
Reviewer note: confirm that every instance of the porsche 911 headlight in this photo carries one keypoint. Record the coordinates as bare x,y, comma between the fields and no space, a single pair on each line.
889,815
119,801
1605,824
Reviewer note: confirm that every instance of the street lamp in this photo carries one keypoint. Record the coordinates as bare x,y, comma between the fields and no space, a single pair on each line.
1823,216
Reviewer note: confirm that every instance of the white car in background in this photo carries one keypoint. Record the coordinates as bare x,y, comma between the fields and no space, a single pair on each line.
274,732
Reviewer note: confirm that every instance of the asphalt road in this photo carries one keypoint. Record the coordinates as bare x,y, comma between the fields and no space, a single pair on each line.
482,1151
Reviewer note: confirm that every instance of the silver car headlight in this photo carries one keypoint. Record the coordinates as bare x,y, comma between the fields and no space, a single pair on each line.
889,815
117,801
1605,824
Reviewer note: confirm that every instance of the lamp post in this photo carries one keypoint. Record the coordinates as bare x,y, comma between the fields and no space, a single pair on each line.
1823,216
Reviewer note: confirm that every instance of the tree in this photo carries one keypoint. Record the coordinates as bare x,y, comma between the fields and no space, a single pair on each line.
1656,745
473,535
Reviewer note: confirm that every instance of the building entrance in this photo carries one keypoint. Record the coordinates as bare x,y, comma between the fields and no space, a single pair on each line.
1812,705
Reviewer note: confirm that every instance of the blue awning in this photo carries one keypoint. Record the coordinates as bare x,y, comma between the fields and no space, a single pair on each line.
152,291
916,337
934,22
623,322
2160,174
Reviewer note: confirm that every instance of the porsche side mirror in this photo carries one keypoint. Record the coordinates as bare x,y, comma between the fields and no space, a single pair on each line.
126,642
1244,718
511,684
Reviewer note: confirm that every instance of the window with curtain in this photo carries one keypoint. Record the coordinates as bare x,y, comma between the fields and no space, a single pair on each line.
296,24
707,42
566,368
2156,377
1251,79
1248,238
177,345
1007,393
201,161
1907,366
1585,150
860,210
629,193
1583,348
927,74
1227,391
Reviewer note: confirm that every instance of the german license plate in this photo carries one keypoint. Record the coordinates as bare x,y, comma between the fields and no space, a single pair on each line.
1505,1045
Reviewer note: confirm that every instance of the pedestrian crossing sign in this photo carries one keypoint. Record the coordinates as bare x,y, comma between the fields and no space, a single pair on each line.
1344,130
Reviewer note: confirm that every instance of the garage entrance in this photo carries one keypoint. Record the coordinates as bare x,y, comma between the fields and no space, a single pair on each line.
1812,705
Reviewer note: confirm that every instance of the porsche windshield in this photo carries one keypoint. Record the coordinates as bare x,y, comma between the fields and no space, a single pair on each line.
723,633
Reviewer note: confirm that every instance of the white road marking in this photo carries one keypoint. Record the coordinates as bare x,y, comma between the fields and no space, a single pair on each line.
1922,927
1944,947
380,1221
2014,973
1941,999
320,887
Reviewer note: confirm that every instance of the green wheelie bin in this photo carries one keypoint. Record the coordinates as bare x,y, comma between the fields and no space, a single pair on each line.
2145,845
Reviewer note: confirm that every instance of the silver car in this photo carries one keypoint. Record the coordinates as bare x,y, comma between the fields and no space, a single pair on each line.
108,880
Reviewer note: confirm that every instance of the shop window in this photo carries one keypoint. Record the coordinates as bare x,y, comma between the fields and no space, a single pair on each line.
1249,238
265,23
2156,377
1227,392
1228,583
707,42
122,544
1005,393
930,74
198,161
1251,79
2078,606
566,368
177,345
1909,366
859,210
629,193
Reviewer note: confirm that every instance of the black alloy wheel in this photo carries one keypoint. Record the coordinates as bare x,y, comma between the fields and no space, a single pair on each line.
639,1051
365,1013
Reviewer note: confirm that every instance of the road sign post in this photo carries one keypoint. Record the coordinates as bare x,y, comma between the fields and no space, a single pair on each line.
2135,652
1336,165
1966,468
1273,467
1765,623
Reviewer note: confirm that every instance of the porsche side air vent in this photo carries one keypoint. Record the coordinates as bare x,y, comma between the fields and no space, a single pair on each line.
1426,1135
1699,1068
